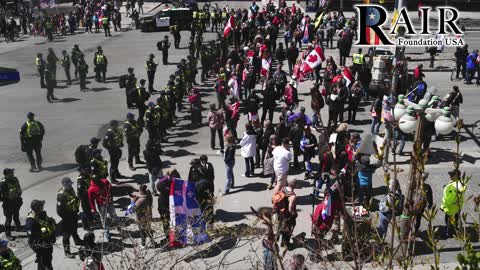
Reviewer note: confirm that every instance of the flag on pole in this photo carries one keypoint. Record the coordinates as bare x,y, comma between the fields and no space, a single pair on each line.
373,16
314,59
186,223
318,20
228,27
348,76
305,32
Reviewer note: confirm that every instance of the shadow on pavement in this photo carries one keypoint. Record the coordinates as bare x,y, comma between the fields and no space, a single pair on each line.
61,167
255,187
178,153
68,100
226,216
100,89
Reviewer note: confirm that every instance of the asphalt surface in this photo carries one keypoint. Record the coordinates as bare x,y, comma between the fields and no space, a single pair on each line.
79,116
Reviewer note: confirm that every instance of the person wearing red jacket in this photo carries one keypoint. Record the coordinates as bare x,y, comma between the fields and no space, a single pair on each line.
100,200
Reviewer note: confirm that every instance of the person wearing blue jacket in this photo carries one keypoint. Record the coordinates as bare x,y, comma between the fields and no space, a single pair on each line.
365,175
471,66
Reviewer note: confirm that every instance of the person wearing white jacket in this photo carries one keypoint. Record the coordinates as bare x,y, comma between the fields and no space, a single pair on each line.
249,150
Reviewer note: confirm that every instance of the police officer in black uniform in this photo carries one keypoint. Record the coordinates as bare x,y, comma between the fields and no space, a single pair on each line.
11,196
67,209
82,73
76,54
151,67
83,183
113,142
141,96
131,85
133,131
31,137
41,234
101,63
165,46
65,61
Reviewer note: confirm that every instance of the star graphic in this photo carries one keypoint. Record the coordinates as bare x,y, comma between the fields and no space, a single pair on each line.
372,16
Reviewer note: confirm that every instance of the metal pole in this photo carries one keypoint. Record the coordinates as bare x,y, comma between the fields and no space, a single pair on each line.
405,222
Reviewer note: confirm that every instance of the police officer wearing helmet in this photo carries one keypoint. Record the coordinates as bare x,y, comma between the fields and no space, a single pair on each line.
31,137
133,131
151,67
67,209
11,196
101,63
113,142
41,234
8,260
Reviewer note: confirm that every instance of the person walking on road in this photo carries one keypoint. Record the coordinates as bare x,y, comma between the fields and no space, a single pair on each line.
40,63
163,46
31,137
229,159
215,121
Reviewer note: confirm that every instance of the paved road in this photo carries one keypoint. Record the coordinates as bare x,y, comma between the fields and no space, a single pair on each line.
82,115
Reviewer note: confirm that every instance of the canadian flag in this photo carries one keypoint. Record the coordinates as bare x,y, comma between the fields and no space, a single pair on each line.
348,76
314,59
228,27
265,66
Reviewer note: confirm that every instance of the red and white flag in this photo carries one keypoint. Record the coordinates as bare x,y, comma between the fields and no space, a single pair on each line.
228,27
348,76
265,66
313,60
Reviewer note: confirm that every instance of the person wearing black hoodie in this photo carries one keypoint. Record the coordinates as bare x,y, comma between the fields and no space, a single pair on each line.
269,101
151,154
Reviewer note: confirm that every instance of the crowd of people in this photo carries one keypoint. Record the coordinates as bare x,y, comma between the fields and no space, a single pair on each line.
272,143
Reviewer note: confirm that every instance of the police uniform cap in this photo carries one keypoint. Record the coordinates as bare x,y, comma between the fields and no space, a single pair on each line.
166,37
130,115
113,122
152,55
94,140
39,55
3,243
130,69
159,99
37,204
30,115
8,171
151,104
142,81
66,181
75,46
99,48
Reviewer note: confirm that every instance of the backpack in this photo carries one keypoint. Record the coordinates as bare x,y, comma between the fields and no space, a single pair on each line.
82,154
122,81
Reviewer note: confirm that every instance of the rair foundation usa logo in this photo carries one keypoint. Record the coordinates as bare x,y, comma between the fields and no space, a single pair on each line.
376,29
